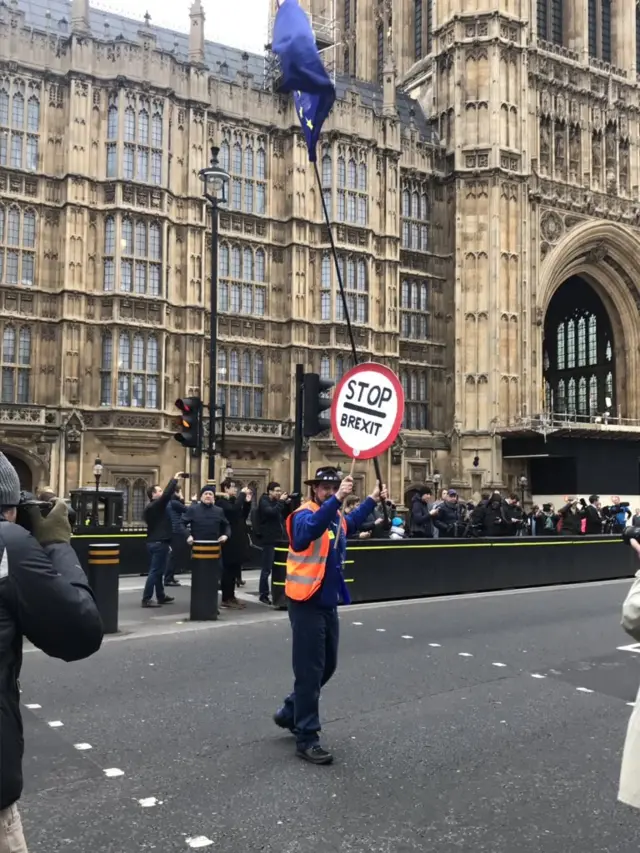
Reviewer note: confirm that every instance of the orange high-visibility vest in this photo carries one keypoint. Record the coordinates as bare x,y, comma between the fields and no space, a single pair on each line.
305,569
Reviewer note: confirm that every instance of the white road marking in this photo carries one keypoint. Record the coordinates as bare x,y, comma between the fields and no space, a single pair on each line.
356,623
33,707
407,637
583,690
199,841
111,772
537,675
381,630
631,704
435,645
83,746
149,802
498,664
465,655
56,724
633,647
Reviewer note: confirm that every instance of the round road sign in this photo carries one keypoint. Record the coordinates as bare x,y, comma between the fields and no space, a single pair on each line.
367,410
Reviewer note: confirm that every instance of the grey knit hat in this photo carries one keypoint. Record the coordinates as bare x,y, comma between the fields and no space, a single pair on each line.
9,483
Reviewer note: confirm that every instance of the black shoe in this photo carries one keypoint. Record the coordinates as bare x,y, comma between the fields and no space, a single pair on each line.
315,754
264,599
146,602
283,722
172,583
166,600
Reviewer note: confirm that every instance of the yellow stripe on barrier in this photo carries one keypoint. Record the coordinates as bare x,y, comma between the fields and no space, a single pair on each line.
109,536
104,553
104,562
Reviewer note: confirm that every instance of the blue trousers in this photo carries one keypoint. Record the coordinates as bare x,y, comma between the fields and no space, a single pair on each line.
158,556
316,631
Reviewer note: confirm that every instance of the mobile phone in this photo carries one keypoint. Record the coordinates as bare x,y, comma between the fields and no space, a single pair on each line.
185,476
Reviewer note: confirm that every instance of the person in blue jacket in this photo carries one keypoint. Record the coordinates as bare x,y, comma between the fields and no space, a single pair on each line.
314,617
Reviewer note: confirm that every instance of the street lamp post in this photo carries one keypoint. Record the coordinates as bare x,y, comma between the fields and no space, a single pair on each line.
523,486
97,473
216,182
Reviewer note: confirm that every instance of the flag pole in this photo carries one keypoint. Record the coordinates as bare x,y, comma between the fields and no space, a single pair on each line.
345,307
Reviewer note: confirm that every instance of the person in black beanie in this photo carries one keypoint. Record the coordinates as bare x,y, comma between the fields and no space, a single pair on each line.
45,597
206,521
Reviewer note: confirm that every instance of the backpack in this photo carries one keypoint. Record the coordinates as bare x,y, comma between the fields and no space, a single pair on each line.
548,523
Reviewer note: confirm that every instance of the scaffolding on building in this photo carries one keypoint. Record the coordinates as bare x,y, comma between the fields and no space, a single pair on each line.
325,30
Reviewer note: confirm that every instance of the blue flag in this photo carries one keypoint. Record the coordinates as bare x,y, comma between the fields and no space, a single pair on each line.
303,72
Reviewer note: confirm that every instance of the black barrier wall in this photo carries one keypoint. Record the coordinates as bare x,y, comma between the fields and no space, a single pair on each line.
413,568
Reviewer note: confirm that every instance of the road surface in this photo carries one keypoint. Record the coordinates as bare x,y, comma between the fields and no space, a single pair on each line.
480,723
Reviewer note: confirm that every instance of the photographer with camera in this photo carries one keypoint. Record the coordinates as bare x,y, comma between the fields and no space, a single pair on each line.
44,596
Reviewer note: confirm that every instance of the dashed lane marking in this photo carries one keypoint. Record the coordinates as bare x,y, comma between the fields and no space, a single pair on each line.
199,841
583,690
435,645
112,772
357,623
55,724
149,802
537,675
465,655
498,664
407,637
381,630
83,746
33,707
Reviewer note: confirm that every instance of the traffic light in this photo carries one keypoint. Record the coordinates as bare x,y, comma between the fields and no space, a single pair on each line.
190,434
316,403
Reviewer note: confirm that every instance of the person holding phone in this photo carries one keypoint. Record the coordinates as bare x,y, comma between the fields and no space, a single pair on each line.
159,535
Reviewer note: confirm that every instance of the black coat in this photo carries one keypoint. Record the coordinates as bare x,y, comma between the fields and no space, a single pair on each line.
594,519
206,522
571,521
421,523
236,551
156,516
44,596
271,516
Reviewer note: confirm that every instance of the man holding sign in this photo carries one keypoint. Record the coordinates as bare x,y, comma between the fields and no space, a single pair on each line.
315,586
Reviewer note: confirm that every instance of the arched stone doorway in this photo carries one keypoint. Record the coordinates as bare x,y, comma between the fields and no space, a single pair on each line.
24,472
605,256
578,353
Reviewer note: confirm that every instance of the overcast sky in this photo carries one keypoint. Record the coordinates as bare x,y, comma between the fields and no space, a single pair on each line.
237,23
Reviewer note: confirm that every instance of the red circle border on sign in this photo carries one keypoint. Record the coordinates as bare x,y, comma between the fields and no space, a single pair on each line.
386,444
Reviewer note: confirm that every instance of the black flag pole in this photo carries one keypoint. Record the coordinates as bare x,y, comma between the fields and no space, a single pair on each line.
345,306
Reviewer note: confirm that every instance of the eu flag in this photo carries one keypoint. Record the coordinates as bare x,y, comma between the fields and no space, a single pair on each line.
303,72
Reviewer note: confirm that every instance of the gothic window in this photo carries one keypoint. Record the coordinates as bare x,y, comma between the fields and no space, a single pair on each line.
414,214
417,29
19,125
414,310
355,280
241,383
142,150
346,61
380,54
343,363
550,20
138,370
429,16
224,155
325,287
548,397
637,7
325,367
352,191
327,177
106,370
599,29
17,245
416,414
578,340
141,257
134,499
15,362
242,287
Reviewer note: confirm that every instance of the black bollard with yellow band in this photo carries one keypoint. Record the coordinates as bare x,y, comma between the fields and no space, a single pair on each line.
104,576
205,580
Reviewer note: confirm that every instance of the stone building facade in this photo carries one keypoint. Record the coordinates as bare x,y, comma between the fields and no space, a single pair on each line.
454,244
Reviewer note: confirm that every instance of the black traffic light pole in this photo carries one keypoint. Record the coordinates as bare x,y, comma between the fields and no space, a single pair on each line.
213,356
297,446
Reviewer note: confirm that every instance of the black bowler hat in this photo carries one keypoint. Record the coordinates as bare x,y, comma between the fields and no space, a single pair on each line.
327,474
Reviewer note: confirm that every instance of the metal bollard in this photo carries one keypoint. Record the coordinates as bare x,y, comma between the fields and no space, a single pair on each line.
104,580
205,581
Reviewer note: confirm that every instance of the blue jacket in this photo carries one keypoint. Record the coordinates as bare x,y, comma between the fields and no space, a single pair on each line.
175,510
308,526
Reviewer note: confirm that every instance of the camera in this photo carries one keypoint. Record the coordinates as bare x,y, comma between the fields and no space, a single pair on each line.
27,501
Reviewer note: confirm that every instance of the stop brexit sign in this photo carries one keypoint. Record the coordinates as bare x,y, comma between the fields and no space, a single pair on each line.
367,410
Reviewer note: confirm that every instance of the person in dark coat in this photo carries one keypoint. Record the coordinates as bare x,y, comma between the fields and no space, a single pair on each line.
159,535
178,561
593,516
45,598
206,521
571,518
273,508
421,522
236,506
